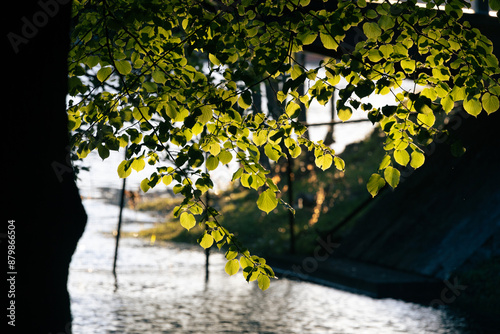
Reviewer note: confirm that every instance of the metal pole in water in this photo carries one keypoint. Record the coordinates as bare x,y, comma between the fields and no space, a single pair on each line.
118,229
207,250
291,215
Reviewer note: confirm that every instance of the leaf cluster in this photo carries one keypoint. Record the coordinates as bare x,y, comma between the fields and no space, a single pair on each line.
173,83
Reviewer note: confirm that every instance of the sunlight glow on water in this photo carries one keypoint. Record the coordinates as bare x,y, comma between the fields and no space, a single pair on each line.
162,289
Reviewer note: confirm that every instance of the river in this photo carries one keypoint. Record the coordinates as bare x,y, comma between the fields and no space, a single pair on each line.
162,289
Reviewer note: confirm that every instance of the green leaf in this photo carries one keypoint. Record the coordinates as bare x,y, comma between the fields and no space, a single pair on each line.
145,185
292,109
159,77
167,179
386,161
375,183
231,253
245,263
372,30
472,106
364,88
104,73
188,221
260,137
232,267
206,114
417,159
225,157
124,169
339,163
206,241
212,162
324,161
447,103
328,41
245,100
307,37
490,103
344,113
386,22
213,59
263,282
408,65
427,119
273,152
392,176
138,164
150,87
123,67
402,157
250,274
375,55
171,110
267,201
103,151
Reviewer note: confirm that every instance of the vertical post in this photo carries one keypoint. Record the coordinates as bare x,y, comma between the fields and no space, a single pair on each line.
118,229
207,204
291,215
207,250
329,135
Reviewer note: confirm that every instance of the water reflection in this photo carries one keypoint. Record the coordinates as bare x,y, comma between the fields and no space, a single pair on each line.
163,290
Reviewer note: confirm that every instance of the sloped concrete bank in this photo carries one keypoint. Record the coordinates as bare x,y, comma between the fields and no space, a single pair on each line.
410,243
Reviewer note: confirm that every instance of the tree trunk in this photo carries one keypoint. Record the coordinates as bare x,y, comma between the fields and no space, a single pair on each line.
43,207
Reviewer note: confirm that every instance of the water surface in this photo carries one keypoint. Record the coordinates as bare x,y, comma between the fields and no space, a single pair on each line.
162,289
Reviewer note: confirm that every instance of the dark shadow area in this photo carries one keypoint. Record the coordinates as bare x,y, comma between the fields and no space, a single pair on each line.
43,201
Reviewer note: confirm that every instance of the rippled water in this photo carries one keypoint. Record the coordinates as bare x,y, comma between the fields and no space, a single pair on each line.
162,289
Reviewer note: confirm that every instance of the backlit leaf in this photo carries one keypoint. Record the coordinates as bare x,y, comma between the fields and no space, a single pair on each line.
145,185
375,183
232,267
104,73
267,201
123,67
339,163
473,106
324,161
417,159
188,221
392,176
344,113
225,157
490,103
402,157
124,169
372,30
263,282
328,41
206,241
212,162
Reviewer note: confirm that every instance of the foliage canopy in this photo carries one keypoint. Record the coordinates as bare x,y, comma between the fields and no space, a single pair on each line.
174,82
